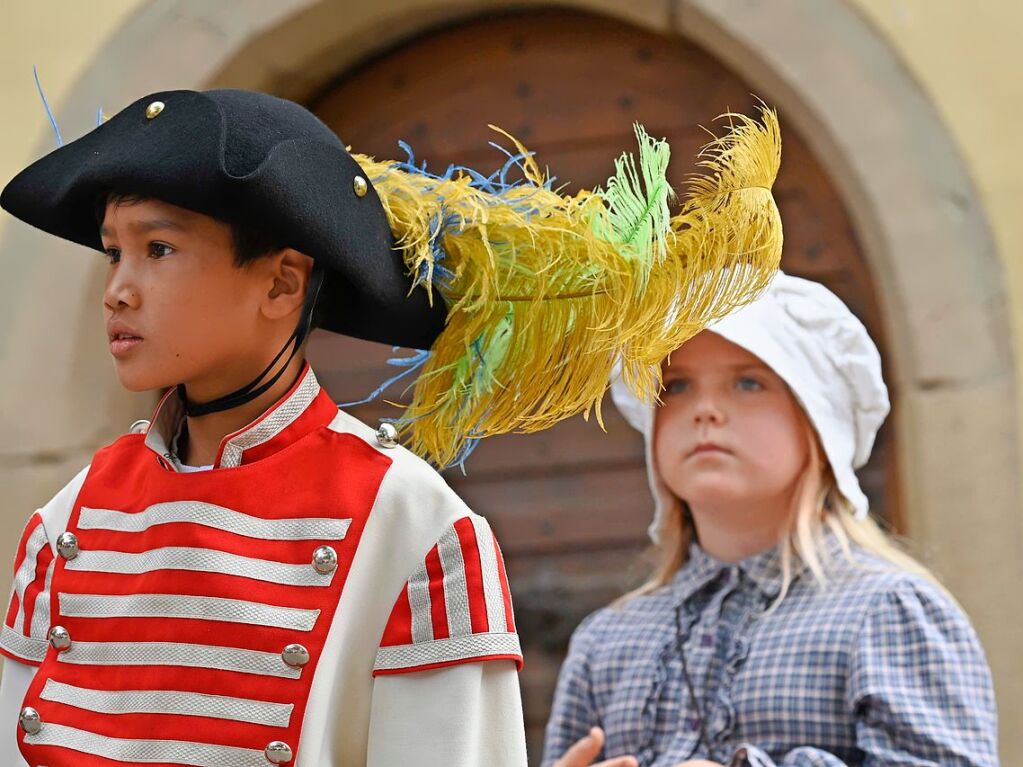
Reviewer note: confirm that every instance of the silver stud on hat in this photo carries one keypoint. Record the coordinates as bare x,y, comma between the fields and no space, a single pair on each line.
30,720
154,109
360,185
277,752
324,560
387,435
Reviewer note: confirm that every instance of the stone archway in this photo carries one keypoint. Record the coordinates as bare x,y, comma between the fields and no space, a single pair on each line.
869,122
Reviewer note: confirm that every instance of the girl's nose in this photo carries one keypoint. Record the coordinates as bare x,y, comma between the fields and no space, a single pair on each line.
708,410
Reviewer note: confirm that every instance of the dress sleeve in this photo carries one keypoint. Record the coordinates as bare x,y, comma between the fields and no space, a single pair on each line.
455,608
462,715
919,690
573,711
27,620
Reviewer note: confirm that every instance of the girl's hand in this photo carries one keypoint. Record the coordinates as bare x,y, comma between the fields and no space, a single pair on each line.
585,750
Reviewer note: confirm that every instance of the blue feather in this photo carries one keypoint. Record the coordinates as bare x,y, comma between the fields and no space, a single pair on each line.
411,364
46,106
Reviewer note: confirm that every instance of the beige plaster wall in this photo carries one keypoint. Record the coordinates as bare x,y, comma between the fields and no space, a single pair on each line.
60,44
966,57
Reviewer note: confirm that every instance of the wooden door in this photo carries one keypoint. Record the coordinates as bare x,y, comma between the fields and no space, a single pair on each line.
571,506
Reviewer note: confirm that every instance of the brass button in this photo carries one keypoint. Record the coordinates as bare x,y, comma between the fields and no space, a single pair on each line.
360,185
154,109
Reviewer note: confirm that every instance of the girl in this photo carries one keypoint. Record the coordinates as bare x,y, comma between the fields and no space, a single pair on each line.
782,627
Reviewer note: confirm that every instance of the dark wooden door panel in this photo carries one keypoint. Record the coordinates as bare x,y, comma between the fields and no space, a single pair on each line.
571,506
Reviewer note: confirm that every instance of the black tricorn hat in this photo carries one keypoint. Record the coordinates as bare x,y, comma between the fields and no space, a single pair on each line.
242,156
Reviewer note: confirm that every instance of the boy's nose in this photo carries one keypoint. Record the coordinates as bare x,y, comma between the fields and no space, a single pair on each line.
120,292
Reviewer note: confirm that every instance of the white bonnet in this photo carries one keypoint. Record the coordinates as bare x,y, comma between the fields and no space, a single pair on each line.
805,334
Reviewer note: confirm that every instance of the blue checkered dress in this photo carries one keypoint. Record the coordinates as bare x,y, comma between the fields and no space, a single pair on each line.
879,668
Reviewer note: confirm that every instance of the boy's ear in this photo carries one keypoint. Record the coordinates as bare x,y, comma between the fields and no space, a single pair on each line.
290,271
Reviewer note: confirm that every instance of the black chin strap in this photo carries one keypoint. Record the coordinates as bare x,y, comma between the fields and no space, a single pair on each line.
253,389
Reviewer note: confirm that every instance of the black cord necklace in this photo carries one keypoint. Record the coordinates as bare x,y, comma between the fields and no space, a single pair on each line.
253,389
704,739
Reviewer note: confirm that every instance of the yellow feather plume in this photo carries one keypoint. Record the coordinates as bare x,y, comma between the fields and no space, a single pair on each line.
546,292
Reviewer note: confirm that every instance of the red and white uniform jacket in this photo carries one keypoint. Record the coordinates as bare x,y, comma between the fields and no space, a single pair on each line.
314,599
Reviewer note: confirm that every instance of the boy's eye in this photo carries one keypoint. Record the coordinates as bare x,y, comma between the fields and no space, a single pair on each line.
745,383
675,386
159,249
113,255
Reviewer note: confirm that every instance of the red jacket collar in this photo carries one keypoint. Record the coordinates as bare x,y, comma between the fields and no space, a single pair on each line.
303,408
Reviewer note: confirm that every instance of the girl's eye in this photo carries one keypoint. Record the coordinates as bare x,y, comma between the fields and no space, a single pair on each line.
159,250
676,386
745,383
113,255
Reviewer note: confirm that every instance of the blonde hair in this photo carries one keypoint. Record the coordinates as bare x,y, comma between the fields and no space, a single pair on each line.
818,506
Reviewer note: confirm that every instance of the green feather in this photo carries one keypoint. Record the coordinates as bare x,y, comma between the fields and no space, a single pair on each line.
475,370
637,201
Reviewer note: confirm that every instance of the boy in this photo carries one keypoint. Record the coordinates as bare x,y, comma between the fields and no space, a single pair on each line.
199,617
255,576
